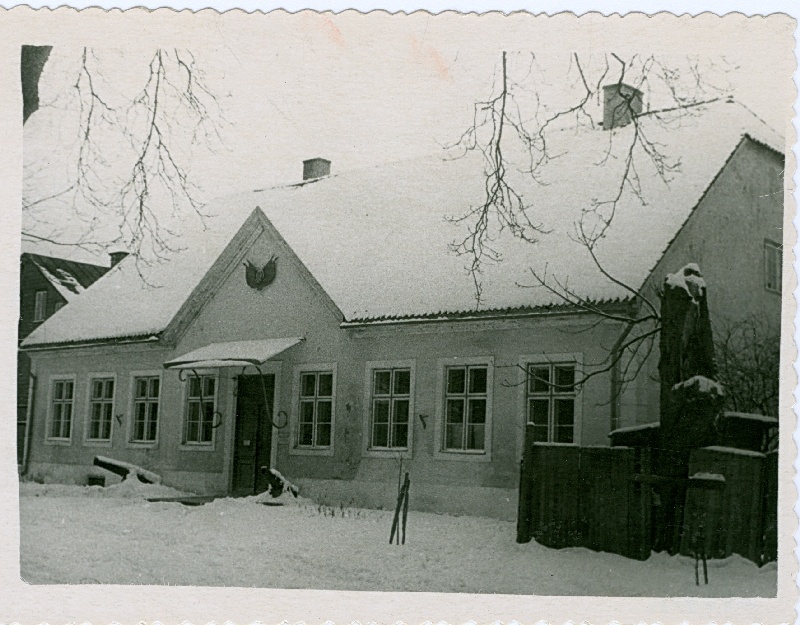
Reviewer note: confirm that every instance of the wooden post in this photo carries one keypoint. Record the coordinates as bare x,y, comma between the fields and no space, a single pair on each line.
524,507
406,488
402,505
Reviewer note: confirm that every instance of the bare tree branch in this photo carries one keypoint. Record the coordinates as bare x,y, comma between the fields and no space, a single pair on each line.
131,162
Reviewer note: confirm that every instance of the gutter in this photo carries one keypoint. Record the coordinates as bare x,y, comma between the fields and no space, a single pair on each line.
28,423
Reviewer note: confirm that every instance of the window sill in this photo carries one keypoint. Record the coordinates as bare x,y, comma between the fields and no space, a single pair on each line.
311,451
205,447
59,442
463,456
96,443
387,454
141,444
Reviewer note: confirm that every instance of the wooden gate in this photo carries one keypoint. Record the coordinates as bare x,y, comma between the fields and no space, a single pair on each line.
574,496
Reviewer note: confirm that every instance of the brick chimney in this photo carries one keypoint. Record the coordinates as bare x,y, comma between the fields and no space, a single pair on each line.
117,256
621,103
316,168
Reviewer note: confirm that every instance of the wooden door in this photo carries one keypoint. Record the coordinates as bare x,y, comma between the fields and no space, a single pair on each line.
253,438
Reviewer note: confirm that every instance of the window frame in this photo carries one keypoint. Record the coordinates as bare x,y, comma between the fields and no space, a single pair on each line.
554,359
52,380
135,375
371,367
87,420
295,448
772,247
39,312
191,445
464,455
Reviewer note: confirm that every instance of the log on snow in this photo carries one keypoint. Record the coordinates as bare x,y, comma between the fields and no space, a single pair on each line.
121,468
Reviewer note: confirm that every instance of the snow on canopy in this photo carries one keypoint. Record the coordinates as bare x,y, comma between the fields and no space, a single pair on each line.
379,240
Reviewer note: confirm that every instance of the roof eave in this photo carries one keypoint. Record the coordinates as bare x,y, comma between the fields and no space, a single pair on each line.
149,338
618,304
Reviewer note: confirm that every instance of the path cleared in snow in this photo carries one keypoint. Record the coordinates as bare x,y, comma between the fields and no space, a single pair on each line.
74,534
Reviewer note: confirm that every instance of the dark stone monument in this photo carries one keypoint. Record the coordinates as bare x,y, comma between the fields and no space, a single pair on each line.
691,398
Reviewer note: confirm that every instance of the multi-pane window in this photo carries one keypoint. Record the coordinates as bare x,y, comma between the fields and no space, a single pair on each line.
40,306
200,409
391,398
773,263
61,409
145,409
316,409
101,407
465,408
551,402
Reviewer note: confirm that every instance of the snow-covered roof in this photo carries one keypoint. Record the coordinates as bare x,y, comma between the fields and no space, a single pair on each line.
379,240
751,417
636,428
68,277
735,450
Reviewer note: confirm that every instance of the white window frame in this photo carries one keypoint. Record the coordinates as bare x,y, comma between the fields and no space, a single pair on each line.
58,306
525,361
295,448
468,455
776,249
40,306
87,420
387,452
134,375
51,440
197,446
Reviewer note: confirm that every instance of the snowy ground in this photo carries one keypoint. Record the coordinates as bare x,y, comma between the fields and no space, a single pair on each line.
74,534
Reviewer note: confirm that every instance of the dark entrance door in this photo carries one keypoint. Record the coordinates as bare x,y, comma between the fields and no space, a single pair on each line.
253,439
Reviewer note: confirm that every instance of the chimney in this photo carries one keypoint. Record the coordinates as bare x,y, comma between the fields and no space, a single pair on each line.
316,168
621,103
116,257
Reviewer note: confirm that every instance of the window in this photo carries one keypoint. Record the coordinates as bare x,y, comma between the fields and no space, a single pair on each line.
57,306
200,403
551,402
315,422
466,401
145,409
101,408
40,306
773,265
61,409
391,400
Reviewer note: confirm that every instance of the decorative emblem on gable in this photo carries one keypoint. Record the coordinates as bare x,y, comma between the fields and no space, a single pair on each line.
259,278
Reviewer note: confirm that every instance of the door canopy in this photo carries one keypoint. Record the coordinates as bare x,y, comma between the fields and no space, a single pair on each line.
233,354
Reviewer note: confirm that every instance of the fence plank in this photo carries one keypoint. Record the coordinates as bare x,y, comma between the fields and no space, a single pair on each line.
770,546
610,501
525,500
555,501
733,519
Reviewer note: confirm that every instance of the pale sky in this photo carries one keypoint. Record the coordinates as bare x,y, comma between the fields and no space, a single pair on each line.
369,90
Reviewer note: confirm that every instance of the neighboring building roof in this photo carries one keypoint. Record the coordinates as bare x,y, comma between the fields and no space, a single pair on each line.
68,277
379,240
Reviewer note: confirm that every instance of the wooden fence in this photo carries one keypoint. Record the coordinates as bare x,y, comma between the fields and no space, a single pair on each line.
602,498
741,517
574,496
